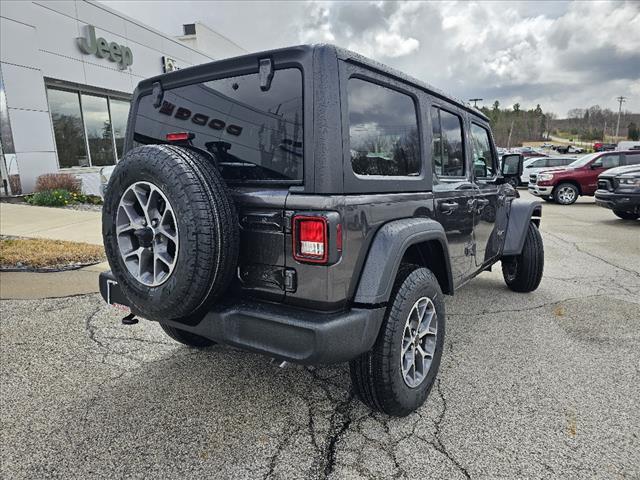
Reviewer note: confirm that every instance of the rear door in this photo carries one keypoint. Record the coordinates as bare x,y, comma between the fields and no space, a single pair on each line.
452,189
601,164
487,201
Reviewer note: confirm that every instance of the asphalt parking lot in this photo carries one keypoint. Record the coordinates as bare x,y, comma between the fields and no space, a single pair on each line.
543,385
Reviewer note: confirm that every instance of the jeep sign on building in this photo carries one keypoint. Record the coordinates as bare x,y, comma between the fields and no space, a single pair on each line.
67,74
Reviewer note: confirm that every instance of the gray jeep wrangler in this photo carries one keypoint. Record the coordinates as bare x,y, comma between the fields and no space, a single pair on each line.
314,206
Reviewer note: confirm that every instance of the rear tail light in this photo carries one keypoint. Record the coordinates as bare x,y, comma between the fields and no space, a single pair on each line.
179,136
310,239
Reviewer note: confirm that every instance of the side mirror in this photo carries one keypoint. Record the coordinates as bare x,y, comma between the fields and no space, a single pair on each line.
512,165
596,164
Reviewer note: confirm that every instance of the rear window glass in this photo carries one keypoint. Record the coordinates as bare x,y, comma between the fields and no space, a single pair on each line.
254,135
383,131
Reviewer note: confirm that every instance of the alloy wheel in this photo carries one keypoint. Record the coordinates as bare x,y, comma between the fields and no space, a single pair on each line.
566,195
419,342
147,232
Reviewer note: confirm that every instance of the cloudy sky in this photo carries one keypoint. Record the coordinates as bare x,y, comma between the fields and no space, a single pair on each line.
561,55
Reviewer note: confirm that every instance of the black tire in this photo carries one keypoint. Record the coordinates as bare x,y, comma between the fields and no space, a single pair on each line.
561,199
626,215
207,226
377,374
523,273
187,338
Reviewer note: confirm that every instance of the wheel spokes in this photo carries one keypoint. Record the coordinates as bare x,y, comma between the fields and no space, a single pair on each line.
147,233
419,342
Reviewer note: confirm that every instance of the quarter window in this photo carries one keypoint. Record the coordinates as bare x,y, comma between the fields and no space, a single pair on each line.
610,161
633,158
383,131
446,146
483,160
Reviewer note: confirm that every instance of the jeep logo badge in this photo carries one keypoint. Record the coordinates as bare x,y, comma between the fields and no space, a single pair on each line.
103,49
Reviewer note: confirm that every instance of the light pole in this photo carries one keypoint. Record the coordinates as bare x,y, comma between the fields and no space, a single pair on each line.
621,100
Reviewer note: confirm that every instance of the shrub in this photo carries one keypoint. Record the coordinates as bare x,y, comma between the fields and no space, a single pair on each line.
61,197
58,181
53,198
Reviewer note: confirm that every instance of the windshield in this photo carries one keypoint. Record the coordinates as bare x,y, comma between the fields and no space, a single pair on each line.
254,135
582,161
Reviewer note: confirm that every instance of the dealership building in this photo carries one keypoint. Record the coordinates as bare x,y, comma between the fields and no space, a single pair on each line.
67,72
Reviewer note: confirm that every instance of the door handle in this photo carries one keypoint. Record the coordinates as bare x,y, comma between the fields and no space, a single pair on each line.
448,207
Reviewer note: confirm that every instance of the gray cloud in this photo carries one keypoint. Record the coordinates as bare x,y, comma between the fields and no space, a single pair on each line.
559,54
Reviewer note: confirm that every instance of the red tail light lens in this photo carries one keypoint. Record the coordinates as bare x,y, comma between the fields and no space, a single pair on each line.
310,239
179,136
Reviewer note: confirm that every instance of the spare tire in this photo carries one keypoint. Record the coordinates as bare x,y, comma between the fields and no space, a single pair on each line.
170,231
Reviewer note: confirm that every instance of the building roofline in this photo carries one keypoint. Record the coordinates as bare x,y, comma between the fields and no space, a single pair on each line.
117,13
215,32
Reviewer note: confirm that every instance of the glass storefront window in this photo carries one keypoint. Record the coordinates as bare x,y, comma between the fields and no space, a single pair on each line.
119,115
68,128
98,125
84,121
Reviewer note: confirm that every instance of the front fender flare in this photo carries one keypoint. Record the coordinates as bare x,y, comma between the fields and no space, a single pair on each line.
520,215
387,249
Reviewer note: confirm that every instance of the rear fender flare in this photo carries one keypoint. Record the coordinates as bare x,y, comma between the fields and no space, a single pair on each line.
520,214
387,249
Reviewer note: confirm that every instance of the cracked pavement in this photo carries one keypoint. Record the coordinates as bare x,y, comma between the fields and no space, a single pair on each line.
541,385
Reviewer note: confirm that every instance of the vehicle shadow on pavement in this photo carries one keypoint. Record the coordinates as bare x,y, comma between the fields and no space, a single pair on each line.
157,408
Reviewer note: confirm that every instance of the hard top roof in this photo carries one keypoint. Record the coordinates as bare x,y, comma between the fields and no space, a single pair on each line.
341,53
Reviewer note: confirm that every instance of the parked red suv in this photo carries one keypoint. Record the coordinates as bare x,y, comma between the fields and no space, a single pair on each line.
564,185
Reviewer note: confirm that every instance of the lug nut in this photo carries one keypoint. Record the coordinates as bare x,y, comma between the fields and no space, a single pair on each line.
154,222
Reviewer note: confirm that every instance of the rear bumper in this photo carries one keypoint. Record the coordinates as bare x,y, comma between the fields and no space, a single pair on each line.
539,191
627,202
283,332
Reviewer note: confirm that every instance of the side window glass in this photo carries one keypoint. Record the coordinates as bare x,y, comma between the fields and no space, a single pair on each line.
633,158
447,147
436,142
610,161
483,162
555,162
383,131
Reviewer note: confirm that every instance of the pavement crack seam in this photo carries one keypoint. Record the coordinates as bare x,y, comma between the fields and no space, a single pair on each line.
438,445
282,444
91,329
336,432
584,252
527,309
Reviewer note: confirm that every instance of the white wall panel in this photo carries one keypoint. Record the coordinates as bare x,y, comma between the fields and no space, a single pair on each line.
99,17
146,61
68,7
143,35
31,131
62,68
34,164
18,10
57,33
18,43
97,76
25,87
